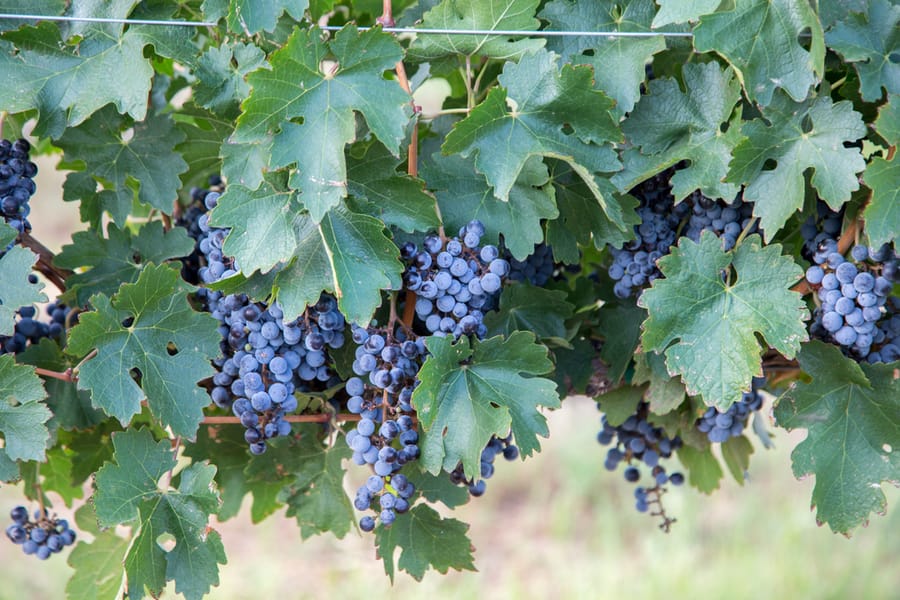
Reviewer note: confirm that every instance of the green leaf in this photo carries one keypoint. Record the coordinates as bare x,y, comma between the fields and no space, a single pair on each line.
888,122
704,470
204,138
56,475
221,73
671,126
490,15
249,16
162,319
540,111
15,289
851,412
463,195
396,199
145,161
798,137
246,163
665,393
296,86
438,488
736,451
524,307
748,36
22,415
426,541
470,393
682,11
118,259
316,498
98,568
620,326
868,40
882,214
581,220
715,322
28,7
226,449
621,403
619,62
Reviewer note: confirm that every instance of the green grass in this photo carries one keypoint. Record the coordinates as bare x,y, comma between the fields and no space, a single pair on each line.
560,526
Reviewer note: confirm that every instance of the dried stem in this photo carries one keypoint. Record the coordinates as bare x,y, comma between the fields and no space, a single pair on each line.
44,265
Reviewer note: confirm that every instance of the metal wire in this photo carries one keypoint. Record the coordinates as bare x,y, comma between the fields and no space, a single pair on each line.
425,31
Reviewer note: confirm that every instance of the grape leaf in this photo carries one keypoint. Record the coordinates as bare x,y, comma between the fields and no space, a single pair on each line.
225,447
425,540
798,137
704,471
297,86
249,16
540,111
56,475
490,15
220,76
316,498
868,41
670,126
852,414
438,488
664,392
469,393
246,163
736,451
28,7
621,403
761,40
464,195
23,416
581,220
882,214
15,289
833,11
117,259
619,62
145,162
620,326
377,189
888,122
128,491
204,138
98,567
524,307
681,11
161,320
715,321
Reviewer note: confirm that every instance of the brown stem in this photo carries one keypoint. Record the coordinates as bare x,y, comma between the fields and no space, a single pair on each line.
409,309
44,265
67,375
848,238
167,222
320,418
387,14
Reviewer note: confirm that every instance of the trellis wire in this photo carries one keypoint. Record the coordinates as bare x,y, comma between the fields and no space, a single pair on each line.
426,31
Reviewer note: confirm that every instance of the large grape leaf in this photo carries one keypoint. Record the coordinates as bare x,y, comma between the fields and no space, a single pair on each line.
221,73
470,392
762,41
426,540
619,62
148,327
798,137
888,122
524,307
681,11
205,135
326,94
98,567
28,7
704,471
714,303
110,262
581,221
128,492
620,326
251,16
882,214
490,15
23,416
225,448
540,111
869,40
852,414
15,289
141,165
670,126
463,195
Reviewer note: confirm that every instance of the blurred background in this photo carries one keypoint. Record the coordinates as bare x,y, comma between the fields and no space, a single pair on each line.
556,526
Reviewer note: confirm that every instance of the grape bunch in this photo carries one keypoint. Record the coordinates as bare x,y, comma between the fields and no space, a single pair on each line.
455,281
719,426
43,536
386,367
637,440
662,222
190,220
30,330
856,309
496,447
537,268
16,183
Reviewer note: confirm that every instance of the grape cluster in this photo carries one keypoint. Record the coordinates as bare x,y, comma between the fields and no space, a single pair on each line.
190,220
856,309
719,426
637,440
386,367
455,280
43,536
496,447
30,330
537,268
661,223
16,183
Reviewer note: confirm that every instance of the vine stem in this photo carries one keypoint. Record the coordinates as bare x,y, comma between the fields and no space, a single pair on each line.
175,446
45,265
319,418
67,375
